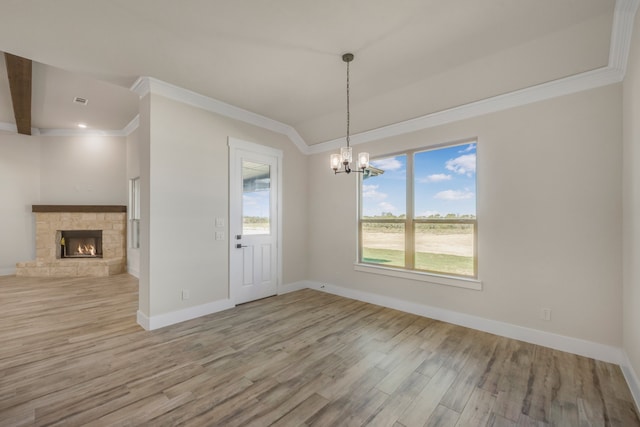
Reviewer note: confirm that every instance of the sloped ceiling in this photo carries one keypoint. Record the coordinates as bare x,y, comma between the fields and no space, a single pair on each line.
282,58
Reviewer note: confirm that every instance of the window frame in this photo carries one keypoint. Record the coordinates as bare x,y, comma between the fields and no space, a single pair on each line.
409,271
134,213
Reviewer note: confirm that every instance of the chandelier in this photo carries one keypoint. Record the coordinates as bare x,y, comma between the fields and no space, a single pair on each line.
344,159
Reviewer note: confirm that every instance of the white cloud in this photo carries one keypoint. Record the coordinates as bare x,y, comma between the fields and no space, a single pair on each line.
390,164
436,177
387,207
465,164
454,195
470,147
371,192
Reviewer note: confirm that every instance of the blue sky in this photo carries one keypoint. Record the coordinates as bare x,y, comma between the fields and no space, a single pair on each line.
445,182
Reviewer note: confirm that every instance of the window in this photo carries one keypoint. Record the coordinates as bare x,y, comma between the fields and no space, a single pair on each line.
256,198
419,214
134,212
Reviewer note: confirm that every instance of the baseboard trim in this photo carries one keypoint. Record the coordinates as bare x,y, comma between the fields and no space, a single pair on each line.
171,318
577,346
294,286
632,378
132,271
10,271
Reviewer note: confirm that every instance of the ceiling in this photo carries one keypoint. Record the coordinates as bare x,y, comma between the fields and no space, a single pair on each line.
282,58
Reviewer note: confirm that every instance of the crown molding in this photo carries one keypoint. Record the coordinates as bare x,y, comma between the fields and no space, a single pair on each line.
133,125
577,83
11,127
621,32
145,85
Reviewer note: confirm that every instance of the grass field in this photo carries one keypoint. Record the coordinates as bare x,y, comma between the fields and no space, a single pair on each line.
442,263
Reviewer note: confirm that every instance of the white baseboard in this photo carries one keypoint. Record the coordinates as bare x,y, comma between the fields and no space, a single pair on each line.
10,271
135,273
632,378
166,319
295,286
577,346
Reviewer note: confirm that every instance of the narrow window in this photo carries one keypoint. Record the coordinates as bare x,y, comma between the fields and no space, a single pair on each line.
134,212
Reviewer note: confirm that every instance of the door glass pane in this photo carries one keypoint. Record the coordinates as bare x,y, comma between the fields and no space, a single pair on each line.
256,198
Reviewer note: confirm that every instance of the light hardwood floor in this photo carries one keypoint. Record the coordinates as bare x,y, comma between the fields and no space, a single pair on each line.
71,353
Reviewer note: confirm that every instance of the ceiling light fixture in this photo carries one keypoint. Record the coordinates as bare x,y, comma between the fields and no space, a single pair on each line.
82,125
346,153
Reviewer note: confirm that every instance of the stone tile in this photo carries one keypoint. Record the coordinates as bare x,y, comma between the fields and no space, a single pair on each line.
66,271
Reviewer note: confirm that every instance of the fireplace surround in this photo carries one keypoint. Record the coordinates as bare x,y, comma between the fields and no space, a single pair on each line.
85,226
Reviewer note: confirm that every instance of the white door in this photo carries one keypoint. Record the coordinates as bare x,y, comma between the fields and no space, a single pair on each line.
254,220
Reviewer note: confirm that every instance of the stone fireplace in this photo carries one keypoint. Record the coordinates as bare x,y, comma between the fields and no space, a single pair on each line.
78,240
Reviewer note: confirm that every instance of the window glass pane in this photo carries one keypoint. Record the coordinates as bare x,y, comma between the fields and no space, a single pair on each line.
135,233
384,195
445,248
134,212
445,182
256,198
383,243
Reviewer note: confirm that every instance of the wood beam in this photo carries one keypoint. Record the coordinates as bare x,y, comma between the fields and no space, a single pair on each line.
19,72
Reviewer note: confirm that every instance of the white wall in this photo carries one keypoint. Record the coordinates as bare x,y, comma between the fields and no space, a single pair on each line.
38,170
631,191
19,189
549,213
83,170
185,161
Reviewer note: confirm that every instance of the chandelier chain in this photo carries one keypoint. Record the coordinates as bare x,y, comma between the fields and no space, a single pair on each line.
348,112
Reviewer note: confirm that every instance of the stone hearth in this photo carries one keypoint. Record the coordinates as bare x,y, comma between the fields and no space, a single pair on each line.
51,219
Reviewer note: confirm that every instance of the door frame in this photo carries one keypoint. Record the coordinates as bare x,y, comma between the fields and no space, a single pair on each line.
235,176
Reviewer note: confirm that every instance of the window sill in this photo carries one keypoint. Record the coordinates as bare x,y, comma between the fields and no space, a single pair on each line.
458,282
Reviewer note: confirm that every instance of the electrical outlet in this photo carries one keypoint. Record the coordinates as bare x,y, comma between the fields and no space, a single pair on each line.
219,235
185,294
545,313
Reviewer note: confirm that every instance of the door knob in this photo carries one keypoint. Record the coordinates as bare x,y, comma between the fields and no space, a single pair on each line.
239,246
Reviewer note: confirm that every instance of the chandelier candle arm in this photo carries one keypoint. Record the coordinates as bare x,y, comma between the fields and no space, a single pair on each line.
345,158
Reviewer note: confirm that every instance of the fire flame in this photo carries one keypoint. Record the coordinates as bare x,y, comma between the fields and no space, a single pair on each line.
86,250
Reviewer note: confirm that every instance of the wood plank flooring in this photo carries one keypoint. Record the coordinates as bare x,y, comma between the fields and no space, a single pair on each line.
72,354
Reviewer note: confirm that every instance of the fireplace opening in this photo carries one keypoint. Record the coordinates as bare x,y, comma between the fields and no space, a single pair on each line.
81,244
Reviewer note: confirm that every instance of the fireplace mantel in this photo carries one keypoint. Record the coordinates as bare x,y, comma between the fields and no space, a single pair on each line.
79,208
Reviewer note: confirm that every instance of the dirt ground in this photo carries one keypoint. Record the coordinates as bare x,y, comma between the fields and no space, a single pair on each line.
450,244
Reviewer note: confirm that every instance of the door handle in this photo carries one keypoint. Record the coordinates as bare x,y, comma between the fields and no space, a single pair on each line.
240,246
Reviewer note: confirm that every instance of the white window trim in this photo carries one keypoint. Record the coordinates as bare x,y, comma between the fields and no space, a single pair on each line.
461,282
421,276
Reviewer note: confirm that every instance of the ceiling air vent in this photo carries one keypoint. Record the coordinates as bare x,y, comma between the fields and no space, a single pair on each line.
81,101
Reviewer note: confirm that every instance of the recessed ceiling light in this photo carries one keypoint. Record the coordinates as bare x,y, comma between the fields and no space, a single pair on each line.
79,100
82,125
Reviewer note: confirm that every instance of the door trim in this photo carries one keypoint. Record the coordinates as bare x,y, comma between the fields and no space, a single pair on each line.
236,145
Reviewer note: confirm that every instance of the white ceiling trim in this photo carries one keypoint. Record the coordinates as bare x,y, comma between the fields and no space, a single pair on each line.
579,82
621,32
11,127
623,21
144,85
81,132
